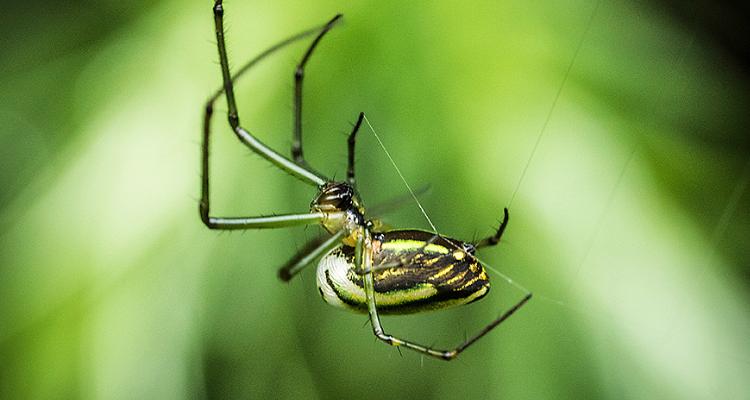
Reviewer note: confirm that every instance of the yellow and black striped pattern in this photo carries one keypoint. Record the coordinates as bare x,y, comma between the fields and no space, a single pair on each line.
414,271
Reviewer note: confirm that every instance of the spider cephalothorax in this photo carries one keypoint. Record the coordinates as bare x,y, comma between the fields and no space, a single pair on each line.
342,208
335,196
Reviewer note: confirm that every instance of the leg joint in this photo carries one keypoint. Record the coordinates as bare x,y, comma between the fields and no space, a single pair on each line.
203,209
386,338
218,9
207,220
234,120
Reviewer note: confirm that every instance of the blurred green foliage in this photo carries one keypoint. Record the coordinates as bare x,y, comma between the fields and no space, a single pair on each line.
630,224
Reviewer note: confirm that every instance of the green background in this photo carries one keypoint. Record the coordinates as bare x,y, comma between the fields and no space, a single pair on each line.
630,224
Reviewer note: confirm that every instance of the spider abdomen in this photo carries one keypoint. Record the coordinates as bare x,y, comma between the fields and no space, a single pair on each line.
413,271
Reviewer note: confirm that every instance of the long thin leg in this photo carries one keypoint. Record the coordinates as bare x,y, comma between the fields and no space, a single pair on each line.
363,258
351,142
255,60
261,222
312,250
495,239
300,259
299,76
298,171
276,221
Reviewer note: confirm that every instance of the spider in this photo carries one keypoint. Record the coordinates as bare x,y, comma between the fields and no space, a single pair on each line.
362,268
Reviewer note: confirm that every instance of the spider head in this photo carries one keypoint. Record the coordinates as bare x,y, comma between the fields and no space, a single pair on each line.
341,204
335,197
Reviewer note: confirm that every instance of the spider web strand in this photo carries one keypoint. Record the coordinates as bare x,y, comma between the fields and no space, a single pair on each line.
413,195
554,102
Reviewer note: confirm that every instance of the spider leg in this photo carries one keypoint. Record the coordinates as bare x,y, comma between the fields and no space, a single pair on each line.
300,172
260,57
299,76
363,260
351,142
276,221
260,222
312,250
495,239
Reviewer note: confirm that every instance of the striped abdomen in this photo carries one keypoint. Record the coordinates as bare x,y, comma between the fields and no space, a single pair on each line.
413,271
